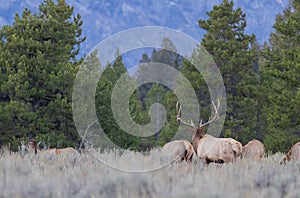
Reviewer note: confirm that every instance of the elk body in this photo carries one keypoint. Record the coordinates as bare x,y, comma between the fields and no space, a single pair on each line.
254,149
68,150
208,148
236,146
178,150
293,154
212,149
33,146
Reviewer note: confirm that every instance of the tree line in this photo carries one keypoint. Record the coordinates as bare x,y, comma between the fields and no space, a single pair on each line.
39,58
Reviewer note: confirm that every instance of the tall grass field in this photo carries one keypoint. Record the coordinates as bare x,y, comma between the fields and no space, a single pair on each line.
84,175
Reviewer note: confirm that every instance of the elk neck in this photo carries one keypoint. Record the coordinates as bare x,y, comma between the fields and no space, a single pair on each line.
197,137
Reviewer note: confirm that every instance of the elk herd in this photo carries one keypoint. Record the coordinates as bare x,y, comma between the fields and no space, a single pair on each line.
218,150
203,146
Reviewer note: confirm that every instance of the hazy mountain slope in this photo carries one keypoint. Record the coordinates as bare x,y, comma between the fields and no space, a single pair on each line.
105,17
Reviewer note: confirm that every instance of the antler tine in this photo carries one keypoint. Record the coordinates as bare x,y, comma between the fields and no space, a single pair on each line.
216,115
192,123
178,110
216,108
200,122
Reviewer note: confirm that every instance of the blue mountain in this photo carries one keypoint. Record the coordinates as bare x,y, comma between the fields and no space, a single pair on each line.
103,18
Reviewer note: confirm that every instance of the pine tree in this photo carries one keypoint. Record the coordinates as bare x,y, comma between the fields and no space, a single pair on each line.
106,84
39,63
154,92
167,55
226,41
278,39
281,82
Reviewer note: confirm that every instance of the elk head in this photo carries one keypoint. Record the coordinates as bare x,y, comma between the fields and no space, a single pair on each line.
198,134
25,148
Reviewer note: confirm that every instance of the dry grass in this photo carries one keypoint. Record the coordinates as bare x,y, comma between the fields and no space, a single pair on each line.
85,176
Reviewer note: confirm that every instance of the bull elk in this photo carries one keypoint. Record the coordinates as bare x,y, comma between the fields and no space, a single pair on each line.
208,148
293,154
254,149
179,150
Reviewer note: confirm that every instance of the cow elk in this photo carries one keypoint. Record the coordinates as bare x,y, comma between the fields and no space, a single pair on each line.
236,146
293,154
178,150
64,151
208,148
33,147
254,149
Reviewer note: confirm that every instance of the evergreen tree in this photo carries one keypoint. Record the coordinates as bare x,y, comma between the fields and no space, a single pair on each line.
106,84
226,41
278,39
281,82
38,66
83,102
154,92
167,55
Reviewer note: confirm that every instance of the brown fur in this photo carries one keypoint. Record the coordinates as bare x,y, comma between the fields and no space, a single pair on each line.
33,145
293,154
219,150
198,135
207,147
236,146
211,149
254,149
179,150
189,150
63,151
68,150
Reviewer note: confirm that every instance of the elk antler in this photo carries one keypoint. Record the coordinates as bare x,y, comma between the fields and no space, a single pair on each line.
216,115
178,111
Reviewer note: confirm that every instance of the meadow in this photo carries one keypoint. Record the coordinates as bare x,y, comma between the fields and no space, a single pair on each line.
85,176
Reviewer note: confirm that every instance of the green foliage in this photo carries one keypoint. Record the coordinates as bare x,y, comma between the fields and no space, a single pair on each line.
226,41
164,96
151,93
38,65
106,84
281,82
281,108
140,102
38,58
